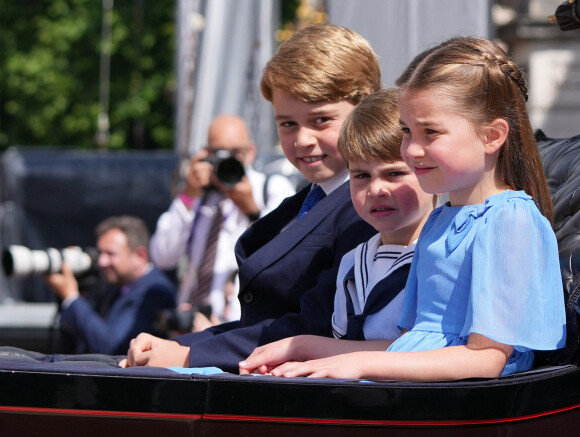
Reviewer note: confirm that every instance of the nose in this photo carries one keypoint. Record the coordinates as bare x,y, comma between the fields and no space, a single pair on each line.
412,149
378,188
304,137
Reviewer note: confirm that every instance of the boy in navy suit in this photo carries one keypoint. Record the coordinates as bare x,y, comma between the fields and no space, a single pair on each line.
289,259
369,298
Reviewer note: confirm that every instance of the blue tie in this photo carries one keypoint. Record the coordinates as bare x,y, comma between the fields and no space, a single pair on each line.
313,197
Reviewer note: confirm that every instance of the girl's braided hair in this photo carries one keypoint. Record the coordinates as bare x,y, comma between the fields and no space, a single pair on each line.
485,85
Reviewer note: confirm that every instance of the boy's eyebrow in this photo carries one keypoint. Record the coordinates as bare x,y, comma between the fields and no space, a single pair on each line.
396,164
322,110
355,169
313,113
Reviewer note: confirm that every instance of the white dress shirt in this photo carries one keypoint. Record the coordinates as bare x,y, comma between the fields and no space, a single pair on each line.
174,236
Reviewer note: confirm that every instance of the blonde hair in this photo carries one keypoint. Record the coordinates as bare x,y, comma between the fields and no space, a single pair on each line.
486,85
323,63
371,131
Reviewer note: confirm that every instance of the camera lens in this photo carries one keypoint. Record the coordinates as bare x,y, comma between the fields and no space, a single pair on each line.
22,261
230,171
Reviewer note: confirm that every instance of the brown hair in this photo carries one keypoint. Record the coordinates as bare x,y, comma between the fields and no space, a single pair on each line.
134,229
486,85
371,131
323,63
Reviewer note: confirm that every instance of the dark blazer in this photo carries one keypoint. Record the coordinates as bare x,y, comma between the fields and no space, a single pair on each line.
287,279
129,314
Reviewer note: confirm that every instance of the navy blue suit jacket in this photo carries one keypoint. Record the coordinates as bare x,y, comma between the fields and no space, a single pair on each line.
287,279
129,314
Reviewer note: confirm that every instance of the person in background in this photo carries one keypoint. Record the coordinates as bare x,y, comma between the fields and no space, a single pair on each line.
222,196
137,292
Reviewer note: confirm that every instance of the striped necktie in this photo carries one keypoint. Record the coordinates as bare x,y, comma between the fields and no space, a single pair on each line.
206,268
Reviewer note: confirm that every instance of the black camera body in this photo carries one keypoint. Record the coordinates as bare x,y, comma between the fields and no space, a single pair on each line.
172,322
227,168
20,261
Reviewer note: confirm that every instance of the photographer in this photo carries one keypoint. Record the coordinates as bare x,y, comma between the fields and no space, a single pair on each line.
206,219
138,292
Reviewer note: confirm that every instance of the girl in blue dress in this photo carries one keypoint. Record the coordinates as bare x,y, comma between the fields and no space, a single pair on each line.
484,289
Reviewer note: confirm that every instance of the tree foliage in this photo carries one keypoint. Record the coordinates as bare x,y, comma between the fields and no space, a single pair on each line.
49,73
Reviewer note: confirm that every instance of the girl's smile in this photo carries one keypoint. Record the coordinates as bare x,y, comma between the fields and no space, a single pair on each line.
445,150
422,170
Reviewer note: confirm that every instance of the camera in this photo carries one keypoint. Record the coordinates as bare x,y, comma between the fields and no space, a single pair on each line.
175,322
227,168
20,261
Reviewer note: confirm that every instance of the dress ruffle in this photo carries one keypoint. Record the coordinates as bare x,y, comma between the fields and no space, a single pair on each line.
413,341
416,341
463,224
467,216
492,269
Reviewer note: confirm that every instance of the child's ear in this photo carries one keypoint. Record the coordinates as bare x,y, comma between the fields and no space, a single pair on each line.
496,134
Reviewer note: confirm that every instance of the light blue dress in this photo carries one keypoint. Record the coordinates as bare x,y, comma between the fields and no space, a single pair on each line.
491,269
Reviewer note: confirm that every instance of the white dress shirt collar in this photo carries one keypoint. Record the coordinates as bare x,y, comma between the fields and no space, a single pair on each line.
332,184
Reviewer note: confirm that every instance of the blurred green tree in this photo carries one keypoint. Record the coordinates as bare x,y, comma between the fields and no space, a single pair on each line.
49,73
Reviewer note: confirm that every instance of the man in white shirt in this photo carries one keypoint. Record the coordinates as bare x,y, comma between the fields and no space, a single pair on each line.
233,201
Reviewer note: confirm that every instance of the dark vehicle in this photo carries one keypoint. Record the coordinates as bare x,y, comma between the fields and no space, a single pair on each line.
78,399
90,395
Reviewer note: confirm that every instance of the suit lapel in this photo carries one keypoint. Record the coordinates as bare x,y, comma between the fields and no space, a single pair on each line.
265,254
269,226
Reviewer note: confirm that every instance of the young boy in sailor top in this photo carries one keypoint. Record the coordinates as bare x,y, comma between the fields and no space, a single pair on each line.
371,278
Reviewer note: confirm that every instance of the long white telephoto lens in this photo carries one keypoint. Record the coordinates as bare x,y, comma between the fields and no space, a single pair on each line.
22,261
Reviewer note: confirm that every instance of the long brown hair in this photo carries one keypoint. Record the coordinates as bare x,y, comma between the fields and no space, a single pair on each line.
486,85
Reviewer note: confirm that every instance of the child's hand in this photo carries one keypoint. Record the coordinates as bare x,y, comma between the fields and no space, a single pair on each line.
267,357
147,350
340,366
303,348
